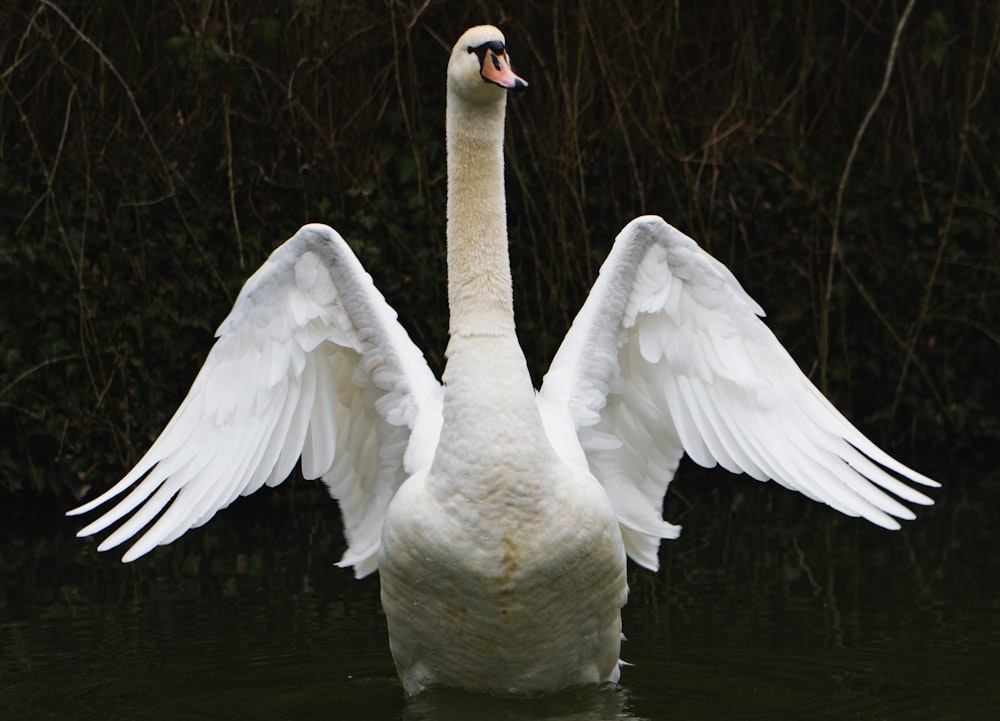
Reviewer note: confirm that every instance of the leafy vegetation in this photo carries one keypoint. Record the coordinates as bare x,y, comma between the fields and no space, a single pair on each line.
152,156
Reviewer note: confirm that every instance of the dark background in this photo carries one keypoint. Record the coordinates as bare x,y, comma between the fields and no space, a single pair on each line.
152,155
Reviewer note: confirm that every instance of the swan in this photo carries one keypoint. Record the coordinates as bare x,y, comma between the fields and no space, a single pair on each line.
499,518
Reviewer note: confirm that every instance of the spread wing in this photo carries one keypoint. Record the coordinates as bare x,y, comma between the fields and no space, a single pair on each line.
311,363
668,356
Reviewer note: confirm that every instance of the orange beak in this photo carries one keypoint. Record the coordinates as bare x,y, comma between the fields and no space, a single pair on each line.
496,69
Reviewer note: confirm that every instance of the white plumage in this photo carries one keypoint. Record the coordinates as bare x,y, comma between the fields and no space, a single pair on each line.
498,518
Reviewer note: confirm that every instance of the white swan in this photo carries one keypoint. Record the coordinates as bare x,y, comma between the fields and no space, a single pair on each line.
498,518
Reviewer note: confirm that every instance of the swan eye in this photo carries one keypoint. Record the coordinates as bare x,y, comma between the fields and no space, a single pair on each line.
495,45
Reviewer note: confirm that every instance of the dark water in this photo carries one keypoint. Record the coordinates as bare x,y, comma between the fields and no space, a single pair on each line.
814,618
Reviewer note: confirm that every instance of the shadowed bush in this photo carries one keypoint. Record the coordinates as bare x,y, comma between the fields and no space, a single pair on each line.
150,159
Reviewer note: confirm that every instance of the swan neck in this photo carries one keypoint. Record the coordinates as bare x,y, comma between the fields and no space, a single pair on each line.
479,280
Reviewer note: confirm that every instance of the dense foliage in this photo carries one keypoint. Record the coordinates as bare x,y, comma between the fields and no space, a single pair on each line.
153,154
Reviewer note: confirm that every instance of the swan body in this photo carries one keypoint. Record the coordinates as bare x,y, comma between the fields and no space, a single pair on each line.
498,518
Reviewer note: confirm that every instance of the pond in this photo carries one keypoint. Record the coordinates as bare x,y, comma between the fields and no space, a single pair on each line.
811,617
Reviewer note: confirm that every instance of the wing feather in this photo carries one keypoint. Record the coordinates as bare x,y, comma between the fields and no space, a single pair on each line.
669,355
310,363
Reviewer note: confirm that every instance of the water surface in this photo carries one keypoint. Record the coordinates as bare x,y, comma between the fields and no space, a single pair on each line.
248,618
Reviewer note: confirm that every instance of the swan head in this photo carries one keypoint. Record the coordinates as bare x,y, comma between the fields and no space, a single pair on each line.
479,70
